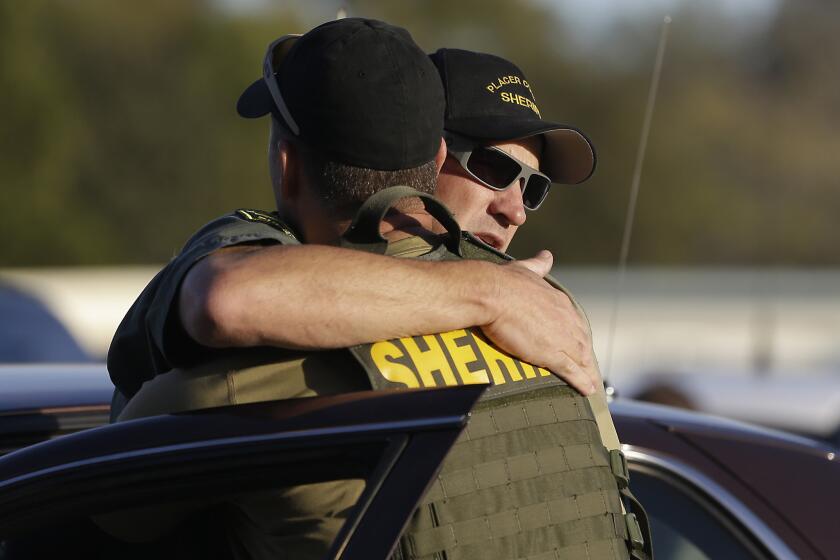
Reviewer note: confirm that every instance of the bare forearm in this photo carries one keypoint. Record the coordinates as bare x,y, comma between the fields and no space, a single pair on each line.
320,297
325,297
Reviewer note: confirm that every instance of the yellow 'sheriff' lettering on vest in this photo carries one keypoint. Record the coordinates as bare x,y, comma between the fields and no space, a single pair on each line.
385,355
459,357
429,361
464,355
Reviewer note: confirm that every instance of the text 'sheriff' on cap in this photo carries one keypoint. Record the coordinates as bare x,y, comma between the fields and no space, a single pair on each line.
488,99
361,91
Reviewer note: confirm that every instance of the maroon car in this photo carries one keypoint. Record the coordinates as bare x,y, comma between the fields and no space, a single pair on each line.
713,488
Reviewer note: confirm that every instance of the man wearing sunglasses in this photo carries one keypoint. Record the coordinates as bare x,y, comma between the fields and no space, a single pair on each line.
503,157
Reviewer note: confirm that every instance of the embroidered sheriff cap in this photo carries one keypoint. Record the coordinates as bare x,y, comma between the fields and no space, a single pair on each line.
488,99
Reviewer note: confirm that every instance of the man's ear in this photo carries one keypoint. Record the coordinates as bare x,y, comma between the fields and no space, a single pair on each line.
440,156
289,183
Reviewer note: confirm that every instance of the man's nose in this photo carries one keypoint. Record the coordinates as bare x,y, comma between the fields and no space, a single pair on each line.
507,205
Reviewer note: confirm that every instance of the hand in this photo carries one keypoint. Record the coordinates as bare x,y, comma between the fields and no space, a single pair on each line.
540,325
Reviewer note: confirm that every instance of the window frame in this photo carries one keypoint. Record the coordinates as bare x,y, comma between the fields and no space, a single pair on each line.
735,516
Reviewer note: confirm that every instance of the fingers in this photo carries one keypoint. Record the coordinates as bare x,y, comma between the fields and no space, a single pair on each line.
569,371
541,325
540,264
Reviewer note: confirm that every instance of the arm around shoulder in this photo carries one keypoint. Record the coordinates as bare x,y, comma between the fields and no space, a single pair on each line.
321,297
315,297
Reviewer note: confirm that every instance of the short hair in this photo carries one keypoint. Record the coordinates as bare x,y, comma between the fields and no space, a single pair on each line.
342,188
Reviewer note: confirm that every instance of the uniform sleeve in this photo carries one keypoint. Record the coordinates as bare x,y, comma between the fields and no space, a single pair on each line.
150,339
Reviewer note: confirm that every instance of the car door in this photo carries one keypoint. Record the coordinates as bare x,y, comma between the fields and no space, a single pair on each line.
394,441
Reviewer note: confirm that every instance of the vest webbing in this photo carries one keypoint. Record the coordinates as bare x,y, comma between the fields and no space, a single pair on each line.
530,477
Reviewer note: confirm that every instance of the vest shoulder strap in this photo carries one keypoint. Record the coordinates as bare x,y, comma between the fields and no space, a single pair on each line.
363,232
474,248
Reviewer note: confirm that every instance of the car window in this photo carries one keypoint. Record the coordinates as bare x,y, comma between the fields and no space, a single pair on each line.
686,525
209,528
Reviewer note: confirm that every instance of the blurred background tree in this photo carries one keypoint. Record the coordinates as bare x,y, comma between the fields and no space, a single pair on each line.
119,135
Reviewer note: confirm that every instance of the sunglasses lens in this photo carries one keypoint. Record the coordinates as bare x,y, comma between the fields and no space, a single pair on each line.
493,167
535,191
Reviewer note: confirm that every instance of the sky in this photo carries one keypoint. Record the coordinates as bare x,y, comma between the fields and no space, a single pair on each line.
589,18
596,16
591,23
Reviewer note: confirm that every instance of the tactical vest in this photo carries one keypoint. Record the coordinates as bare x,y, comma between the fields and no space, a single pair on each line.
530,477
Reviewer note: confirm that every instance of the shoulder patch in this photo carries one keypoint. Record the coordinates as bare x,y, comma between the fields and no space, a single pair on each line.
267,218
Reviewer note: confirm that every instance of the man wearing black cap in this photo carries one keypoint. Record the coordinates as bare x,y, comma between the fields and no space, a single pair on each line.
497,137
244,281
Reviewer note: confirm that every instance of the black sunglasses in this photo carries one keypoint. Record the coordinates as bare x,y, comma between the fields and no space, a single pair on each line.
496,169
274,56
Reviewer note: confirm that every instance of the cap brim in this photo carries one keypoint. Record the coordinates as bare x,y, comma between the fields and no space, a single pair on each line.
255,101
568,156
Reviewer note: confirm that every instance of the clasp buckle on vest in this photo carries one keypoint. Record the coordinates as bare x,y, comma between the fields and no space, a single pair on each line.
618,465
634,532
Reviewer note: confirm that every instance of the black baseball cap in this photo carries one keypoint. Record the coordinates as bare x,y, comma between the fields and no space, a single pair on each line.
359,90
488,100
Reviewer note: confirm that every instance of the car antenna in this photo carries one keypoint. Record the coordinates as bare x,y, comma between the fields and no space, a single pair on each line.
634,189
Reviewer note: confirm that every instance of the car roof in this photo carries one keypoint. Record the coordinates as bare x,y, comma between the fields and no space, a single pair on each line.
672,417
44,386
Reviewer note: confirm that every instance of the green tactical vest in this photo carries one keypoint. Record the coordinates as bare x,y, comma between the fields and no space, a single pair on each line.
530,477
